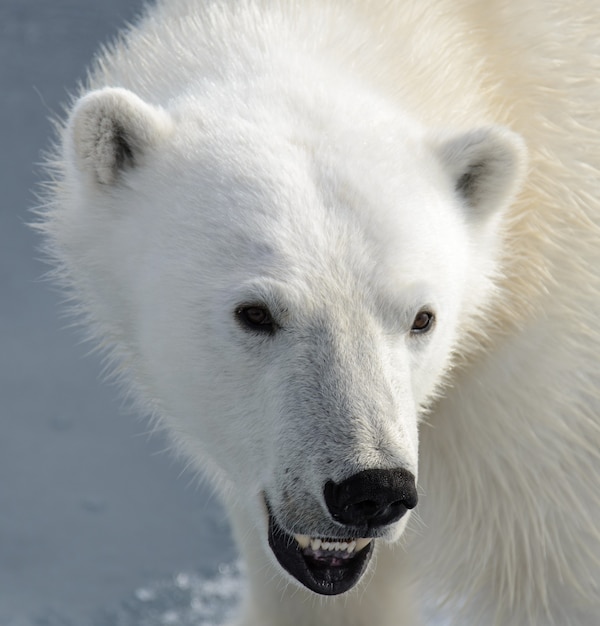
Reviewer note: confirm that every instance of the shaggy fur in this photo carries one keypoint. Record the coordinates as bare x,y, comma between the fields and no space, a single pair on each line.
319,155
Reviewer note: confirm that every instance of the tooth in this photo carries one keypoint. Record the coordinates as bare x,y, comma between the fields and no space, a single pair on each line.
303,540
362,543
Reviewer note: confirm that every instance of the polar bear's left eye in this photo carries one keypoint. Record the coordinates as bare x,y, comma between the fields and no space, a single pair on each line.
256,317
423,322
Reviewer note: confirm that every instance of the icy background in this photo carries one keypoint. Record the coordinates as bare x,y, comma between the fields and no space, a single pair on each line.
98,525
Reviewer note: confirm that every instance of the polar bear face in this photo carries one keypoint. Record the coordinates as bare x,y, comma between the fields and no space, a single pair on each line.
285,297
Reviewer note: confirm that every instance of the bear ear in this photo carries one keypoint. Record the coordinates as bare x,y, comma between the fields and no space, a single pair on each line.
111,130
486,165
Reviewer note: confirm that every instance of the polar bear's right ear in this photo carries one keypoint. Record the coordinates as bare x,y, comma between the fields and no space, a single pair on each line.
111,130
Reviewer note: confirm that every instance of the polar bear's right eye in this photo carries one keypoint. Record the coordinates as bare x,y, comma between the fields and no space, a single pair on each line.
255,317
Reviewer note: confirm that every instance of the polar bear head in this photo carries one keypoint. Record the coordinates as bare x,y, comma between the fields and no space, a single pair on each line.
284,287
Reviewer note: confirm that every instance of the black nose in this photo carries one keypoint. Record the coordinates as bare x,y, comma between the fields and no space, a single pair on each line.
371,498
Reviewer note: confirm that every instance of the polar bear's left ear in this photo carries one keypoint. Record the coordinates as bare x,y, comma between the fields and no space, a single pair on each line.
487,165
110,131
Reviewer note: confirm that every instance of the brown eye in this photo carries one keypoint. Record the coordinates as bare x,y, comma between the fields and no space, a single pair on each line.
255,317
422,322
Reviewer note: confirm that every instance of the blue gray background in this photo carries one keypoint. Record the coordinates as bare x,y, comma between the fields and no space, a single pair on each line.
92,511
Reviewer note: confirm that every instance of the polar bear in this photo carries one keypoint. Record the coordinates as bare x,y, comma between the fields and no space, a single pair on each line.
346,253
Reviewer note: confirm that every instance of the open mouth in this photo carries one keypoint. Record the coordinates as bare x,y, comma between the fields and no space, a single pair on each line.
328,566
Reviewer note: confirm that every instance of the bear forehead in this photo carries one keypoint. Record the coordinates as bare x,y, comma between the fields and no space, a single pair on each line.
304,214
256,177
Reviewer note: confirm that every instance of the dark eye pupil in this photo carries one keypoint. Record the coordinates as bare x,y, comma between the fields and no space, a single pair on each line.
256,318
422,322
256,315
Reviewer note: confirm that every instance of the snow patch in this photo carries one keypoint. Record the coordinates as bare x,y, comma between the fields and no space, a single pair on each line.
187,599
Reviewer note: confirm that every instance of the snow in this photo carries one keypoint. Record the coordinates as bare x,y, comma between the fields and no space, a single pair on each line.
186,599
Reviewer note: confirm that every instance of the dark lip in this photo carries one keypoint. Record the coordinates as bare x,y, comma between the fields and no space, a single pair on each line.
314,575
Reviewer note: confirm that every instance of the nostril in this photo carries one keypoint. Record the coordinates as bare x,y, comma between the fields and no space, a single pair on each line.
371,498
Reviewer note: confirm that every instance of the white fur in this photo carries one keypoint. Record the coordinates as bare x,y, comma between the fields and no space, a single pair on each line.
347,163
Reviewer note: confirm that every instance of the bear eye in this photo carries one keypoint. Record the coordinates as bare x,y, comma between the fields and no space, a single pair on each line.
423,322
255,317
